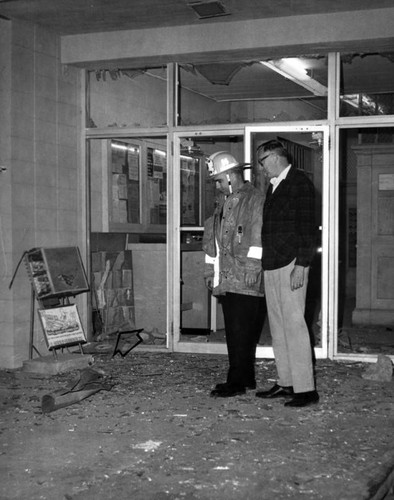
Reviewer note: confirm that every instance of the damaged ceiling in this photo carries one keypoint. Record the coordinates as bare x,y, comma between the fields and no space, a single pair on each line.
71,17
220,81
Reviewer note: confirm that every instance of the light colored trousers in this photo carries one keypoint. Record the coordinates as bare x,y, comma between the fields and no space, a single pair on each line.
290,336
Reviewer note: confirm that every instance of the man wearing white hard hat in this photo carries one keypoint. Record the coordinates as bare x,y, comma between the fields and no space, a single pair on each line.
233,271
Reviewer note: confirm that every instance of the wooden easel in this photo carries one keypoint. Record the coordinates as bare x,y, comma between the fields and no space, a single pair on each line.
45,270
32,347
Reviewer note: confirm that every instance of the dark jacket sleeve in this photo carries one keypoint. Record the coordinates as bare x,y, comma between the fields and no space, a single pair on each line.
305,224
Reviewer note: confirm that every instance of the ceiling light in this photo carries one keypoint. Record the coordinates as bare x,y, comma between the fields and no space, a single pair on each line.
293,69
123,147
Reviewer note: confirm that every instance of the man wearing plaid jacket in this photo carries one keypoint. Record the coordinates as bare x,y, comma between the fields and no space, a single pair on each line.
289,242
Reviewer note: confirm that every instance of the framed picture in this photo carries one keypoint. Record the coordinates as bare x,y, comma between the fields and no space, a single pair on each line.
62,326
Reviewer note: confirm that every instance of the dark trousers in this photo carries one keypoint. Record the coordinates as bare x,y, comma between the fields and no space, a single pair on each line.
243,320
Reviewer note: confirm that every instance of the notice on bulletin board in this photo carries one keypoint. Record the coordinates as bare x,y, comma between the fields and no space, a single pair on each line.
157,172
133,161
153,194
117,160
149,162
156,163
160,159
159,164
386,182
189,193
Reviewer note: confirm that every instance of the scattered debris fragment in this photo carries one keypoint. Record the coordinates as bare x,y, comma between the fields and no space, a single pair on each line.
381,371
148,445
88,383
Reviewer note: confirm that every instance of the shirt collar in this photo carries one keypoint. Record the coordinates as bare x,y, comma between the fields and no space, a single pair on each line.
276,180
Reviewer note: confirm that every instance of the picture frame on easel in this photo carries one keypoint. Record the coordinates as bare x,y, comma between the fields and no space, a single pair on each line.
62,326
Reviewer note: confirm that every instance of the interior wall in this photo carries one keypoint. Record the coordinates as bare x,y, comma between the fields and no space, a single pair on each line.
41,190
6,303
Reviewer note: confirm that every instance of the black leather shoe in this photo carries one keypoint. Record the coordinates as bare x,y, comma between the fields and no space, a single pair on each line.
249,386
228,391
276,392
303,399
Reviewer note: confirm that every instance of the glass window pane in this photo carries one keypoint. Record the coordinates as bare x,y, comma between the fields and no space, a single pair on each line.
200,314
366,241
197,190
156,200
129,184
127,234
190,191
288,89
125,181
367,84
127,98
306,150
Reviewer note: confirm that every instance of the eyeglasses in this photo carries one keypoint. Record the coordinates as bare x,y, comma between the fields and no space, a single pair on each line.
261,160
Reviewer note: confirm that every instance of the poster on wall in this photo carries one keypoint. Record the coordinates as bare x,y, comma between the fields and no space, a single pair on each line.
62,326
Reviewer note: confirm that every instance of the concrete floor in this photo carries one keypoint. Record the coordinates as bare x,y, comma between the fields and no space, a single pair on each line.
158,435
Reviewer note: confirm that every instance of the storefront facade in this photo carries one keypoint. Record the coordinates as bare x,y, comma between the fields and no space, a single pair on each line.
147,107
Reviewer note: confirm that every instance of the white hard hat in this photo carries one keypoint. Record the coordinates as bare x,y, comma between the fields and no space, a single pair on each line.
221,162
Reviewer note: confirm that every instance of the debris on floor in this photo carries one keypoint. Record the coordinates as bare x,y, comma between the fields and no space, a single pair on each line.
88,383
381,371
157,434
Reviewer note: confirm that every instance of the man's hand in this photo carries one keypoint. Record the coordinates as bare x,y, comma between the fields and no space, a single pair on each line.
251,278
209,283
297,277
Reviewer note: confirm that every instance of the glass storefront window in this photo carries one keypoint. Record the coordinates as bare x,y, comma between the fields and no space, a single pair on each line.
307,150
129,184
366,241
127,98
201,314
367,84
128,244
197,189
289,89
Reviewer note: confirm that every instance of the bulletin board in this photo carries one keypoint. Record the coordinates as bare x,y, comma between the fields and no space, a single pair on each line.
137,187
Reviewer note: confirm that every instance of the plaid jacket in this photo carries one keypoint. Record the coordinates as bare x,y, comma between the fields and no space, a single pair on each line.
289,230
